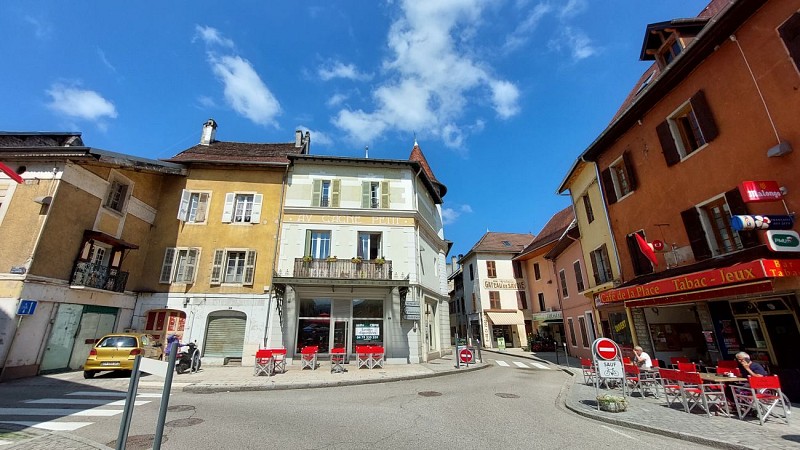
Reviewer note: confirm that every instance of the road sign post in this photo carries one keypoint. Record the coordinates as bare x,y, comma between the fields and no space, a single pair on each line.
608,365
465,356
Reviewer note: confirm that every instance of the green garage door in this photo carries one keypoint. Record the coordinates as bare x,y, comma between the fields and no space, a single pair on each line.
225,334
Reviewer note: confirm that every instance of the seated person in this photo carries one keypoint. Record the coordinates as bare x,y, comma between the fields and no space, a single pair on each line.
642,359
749,368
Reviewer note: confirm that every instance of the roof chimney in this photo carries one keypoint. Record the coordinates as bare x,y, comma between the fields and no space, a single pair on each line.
209,132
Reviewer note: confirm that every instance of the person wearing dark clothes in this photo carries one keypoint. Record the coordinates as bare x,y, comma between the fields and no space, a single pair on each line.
749,368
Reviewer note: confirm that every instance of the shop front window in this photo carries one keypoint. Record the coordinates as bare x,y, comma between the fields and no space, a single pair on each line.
752,335
368,322
314,324
620,331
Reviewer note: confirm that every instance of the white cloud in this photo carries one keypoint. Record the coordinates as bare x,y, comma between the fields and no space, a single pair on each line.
572,8
317,137
336,100
41,29
576,42
244,90
211,36
206,101
451,215
80,103
339,70
105,60
524,29
431,74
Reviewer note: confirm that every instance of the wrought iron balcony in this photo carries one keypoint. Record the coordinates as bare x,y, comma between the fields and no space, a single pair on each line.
99,276
342,268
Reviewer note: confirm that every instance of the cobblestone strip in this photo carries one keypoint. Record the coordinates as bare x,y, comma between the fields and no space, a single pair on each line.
59,441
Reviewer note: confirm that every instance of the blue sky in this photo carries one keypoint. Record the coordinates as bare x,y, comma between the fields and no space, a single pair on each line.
501,95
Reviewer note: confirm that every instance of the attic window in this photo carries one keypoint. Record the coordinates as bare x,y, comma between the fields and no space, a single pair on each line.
646,82
507,244
669,50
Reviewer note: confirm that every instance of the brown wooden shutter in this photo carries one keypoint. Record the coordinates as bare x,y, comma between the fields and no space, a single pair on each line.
641,265
668,147
739,208
626,159
790,33
595,268
704,117
608,187
697,236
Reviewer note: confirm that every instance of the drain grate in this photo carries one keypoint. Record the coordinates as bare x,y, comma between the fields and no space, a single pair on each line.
180,408
430,394
504,395
184,422
138,442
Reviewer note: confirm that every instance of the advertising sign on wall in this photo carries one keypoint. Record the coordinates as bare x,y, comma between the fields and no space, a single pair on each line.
764,222
760,191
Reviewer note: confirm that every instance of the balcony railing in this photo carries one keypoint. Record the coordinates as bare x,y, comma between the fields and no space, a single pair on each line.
99,276
342,268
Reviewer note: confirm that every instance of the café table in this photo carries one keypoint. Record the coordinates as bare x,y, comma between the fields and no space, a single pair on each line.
716,378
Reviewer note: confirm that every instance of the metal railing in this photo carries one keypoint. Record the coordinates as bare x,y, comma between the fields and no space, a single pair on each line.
342,268
99,276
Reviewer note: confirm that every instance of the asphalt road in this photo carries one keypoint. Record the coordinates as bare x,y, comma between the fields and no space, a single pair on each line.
498,407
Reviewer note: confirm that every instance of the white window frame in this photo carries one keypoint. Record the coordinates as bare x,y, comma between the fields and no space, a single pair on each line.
179,265
600,267
584,331
117,180
562,277
573,340
708,227
316,245
589,315
229,213
365,238
685,109
188,213
614,168
220,262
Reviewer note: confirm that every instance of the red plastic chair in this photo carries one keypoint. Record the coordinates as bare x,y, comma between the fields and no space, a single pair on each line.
588,370
762,397
308,357
263,363
377,354
687,367
337,359
656,363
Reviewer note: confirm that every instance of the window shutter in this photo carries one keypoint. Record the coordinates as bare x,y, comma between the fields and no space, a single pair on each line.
790,33
595,268
316,193
696,234
626,159
704,117
668,147
307,251
202,207
249,267
385,194
365,194
227,212
191,265
123,195
608,187
255,215
739,208
183,208
336,186
216,269
111,192
166,267
606,262
641,265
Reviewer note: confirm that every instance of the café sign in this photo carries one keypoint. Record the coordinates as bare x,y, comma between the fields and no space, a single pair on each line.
760,191
739,273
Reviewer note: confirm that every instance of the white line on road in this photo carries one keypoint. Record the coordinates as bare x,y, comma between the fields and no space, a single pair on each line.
501,363
540,366
84,401
53,425
59,412
113,394
519,364
618,432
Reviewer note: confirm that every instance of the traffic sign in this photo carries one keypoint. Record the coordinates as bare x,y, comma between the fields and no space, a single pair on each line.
26,307
605,348
658,245
466,355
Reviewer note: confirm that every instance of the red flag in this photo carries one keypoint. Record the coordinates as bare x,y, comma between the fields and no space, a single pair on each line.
647,249
14,176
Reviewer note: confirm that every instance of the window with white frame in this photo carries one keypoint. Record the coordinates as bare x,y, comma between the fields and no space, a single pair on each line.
562,275
369,245
687,129
180,265
578,276
194,206
590,325
708,226
619,179
233,266
242,208
318,244
601,265
375,194
491,269
119,190
325,193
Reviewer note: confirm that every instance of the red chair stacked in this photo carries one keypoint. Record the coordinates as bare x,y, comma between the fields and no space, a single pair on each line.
763,397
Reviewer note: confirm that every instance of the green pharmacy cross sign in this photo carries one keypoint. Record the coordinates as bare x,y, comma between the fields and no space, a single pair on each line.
783,240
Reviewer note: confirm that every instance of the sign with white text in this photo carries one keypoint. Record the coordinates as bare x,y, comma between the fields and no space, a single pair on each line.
764,222
760,191
783,240
26,307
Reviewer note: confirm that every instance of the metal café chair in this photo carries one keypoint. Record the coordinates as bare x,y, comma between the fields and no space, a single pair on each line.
363,356
278,360
308,357
263,363
337,360
376,356
764,396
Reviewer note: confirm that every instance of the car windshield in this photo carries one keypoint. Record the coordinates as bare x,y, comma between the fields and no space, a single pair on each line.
118,341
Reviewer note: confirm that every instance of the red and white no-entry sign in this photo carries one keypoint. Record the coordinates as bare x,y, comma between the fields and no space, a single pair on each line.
466,355
605,348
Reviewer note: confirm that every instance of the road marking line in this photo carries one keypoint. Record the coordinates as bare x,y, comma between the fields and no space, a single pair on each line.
84,401
60,412
540,366
501,363
52,425
113,394
520,364
618,432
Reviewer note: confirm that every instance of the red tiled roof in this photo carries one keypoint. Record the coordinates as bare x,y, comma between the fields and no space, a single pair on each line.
233,152
553,229
417,156
494,242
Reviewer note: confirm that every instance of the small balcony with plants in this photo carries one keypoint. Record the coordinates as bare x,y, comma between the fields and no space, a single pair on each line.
98,276
346,268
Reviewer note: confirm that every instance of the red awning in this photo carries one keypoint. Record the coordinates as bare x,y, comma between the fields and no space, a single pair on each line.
707,294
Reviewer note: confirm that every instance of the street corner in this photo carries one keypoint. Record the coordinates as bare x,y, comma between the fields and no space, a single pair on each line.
12,435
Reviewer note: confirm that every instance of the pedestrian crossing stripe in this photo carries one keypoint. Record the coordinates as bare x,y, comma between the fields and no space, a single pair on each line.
84,401
502,363
521,365
113,394
540,366
59,412
50,425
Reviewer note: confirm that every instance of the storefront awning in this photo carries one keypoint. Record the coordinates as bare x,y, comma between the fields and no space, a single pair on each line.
706,284
727,291
506,318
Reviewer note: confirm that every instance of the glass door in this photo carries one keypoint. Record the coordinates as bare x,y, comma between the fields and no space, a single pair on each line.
340,334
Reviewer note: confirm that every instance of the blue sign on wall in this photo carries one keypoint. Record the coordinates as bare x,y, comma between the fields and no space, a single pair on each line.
764,222
26,307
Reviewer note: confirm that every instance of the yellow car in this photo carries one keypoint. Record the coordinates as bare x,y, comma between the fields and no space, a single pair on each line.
118,352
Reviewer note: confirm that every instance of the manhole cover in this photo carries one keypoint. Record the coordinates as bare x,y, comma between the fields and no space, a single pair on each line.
504,395
138,442
180,408
430,394
184,422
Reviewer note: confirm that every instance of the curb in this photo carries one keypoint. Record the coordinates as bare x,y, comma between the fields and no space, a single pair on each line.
567,387
212,389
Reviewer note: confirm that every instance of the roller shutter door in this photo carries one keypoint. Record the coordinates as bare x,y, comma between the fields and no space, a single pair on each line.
225,336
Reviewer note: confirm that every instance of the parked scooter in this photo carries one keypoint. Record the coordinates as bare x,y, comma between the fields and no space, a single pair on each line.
188,359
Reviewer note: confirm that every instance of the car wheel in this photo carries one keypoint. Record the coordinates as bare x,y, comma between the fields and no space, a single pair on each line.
88,374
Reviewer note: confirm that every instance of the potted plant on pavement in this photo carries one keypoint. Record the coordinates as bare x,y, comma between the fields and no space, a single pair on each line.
612,403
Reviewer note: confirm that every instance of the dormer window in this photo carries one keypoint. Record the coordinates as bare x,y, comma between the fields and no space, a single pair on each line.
669,50
664,41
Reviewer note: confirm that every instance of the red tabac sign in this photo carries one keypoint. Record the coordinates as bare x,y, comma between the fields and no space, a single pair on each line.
760,191
740,273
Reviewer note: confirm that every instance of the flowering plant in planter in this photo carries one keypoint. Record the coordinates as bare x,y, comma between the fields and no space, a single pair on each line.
307,259
357,260
612,403
331,259
380,260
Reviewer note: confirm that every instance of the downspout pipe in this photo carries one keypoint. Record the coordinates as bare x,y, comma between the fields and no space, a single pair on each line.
275,253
